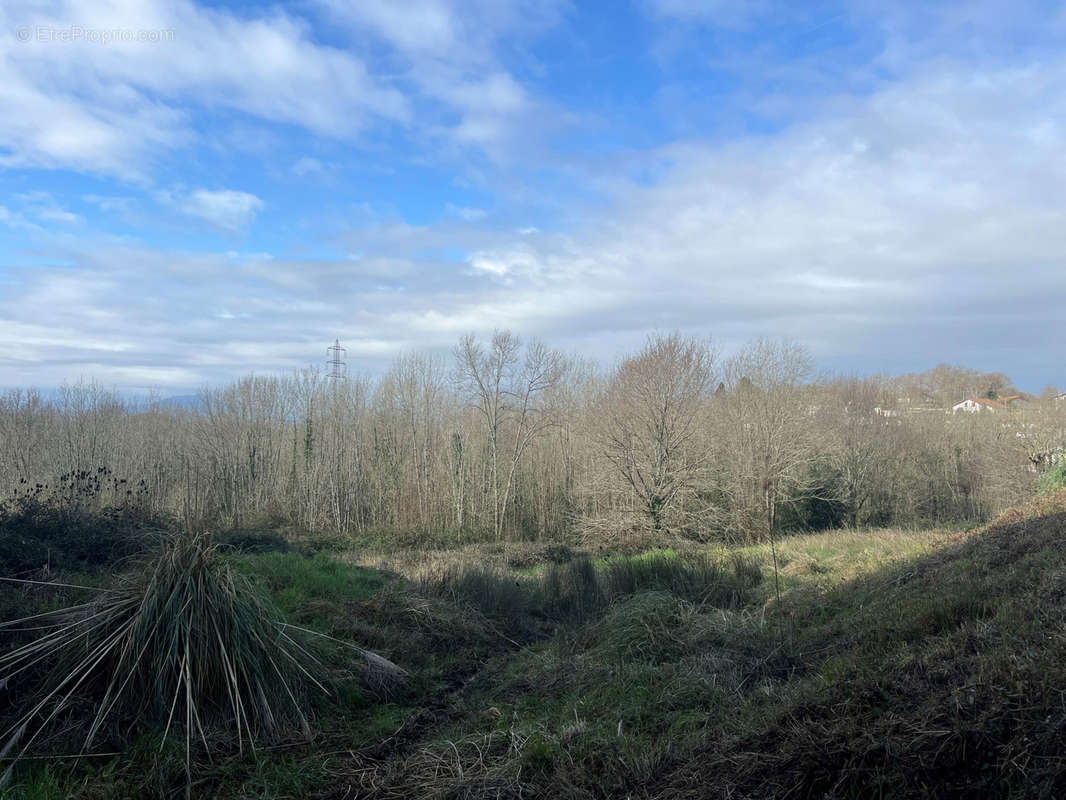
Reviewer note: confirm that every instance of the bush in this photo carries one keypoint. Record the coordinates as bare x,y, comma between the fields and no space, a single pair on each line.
1054,478
183,642
84,519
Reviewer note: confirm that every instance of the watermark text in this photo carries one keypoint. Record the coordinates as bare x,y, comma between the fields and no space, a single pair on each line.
73,34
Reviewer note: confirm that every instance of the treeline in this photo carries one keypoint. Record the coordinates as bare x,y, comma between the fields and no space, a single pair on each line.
507,438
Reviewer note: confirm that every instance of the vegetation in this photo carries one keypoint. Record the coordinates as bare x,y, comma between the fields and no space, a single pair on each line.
517,575
180,642
512,441
1054,478
897,663
83,519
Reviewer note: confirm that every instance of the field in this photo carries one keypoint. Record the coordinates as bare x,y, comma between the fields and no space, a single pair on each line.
887,663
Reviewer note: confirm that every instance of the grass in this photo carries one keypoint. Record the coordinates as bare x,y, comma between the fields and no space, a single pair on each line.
896,664
696,577
183,644
579,590
895,661
1054,478
310,590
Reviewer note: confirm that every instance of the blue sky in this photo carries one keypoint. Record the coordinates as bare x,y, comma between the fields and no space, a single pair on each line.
192,191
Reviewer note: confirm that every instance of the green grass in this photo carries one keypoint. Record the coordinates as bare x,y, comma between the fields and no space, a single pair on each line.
896,664
310,590
1054,478
893,658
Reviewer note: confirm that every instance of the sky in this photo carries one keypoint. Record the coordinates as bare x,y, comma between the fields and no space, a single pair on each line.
193,191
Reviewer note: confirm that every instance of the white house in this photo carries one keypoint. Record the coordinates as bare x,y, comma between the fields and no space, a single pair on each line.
975,405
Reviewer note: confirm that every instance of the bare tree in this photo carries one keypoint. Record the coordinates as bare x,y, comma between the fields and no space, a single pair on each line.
415,387
534,441
856,434
510,391
768,413
650,415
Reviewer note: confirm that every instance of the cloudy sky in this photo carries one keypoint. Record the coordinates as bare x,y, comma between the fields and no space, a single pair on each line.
190,191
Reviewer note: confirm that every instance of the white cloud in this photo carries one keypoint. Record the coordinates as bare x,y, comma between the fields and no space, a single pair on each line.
417,27
112,204
118,108
449,30
493,264
307,166
467,213
448,50
226,209
111,108
900,224
42,206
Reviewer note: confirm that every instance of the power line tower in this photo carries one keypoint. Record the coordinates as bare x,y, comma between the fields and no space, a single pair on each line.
338,369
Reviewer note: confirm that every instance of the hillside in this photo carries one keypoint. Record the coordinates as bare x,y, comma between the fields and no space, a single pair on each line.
896,664
941,676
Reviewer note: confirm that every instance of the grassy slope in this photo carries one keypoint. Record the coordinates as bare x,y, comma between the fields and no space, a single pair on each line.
941,675
897,664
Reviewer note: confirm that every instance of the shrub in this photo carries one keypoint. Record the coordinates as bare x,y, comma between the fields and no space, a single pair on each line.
83,519
184,642
1054,478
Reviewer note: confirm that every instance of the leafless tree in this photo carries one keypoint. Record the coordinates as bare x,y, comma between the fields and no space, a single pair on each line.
510,391
768,414
650,416
528,442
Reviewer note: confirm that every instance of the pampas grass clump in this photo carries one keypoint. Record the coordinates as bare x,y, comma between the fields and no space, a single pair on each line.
183,643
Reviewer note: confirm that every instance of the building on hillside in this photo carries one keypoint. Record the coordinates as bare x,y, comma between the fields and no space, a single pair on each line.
978,404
